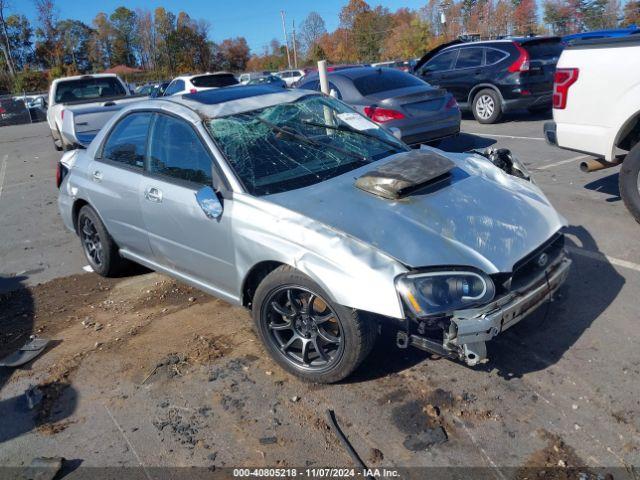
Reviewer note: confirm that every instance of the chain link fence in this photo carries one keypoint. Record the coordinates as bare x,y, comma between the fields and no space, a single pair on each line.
23,108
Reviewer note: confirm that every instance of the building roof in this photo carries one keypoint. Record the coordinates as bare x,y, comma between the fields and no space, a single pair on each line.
122,70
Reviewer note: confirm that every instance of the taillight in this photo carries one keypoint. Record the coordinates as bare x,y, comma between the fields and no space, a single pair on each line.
522,62
193,90
562,80
382,115
58,175
451,103
62,115
2,110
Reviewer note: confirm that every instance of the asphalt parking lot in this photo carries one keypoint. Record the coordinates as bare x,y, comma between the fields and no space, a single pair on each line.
145,372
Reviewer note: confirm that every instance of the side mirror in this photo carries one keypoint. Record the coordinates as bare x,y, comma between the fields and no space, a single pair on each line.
209,202
395,131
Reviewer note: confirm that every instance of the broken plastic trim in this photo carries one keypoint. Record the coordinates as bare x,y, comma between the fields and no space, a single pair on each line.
505,161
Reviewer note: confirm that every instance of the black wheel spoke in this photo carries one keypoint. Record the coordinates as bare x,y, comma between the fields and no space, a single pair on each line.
323,318
281,310
319,349
280,326
305,351
328,337
291,341
292,302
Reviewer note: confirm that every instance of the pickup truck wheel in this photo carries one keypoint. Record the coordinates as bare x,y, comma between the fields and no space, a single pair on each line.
487,106
630,182
307,334
98,246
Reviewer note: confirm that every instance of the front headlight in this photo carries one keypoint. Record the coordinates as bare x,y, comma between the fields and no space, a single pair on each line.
433,293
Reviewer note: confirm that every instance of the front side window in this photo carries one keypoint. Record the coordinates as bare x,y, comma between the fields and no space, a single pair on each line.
175,87
469,58
127,141
176,151
444,61
293,145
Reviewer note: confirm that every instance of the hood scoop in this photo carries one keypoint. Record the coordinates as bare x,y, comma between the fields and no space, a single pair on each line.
405,174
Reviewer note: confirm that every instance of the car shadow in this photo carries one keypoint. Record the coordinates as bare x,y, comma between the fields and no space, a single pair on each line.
608,185
464,142
517,116
54,401
542,339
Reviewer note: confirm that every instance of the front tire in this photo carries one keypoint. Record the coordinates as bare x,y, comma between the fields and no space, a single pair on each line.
487,106
307,334
99,248
630,182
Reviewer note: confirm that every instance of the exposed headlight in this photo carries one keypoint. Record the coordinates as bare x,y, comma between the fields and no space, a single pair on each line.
433,293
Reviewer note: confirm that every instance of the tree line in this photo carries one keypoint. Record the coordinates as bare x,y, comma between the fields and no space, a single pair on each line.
164,44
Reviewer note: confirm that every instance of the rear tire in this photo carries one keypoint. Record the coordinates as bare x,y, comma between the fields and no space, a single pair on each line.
99,248
55,145
487,106
283,308
630,182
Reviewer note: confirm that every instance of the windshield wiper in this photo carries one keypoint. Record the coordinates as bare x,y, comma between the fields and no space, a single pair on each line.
348,128
304,138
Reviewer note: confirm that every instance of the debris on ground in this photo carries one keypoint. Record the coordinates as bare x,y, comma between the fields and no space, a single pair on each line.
33,396
43,468
425,439
375,456
268,440
30,350
171,362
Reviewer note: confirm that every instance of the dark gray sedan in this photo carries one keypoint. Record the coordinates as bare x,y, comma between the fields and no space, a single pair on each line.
393,98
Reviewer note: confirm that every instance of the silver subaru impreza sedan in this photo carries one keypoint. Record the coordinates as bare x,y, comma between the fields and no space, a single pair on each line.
320,221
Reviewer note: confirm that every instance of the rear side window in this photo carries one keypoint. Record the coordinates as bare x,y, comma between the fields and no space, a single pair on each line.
88,88
312,85
218,80
444,61
384,80
177,151
494,56
127,141
543,50
469,57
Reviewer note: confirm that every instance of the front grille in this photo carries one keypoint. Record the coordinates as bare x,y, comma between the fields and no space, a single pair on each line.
528,268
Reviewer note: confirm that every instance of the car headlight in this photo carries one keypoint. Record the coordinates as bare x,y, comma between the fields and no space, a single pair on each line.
433,293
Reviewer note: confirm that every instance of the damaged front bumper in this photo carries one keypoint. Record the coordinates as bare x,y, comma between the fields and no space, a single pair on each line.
469,330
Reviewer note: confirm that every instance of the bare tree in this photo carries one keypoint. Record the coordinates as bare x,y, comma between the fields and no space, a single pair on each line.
6,47
311,29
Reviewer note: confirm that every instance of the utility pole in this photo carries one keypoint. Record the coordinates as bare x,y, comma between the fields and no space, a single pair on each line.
286,39
295,53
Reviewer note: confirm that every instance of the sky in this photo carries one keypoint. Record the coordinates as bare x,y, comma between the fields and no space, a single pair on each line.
256,20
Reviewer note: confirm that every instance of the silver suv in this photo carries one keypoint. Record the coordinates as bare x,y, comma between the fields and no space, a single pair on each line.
318,220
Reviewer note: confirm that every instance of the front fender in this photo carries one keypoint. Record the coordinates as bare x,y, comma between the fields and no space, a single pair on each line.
353,273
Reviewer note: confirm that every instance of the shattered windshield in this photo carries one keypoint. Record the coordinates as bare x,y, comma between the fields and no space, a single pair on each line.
293,145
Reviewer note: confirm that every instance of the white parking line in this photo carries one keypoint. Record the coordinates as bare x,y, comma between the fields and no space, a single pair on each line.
503,136
3,170
604,258
561,162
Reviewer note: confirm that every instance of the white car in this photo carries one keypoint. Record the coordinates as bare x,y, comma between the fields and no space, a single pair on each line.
198,83
290,77
100,90
596,108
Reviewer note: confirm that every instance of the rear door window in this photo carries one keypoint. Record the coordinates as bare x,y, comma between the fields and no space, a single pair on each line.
469,58
177,151
443,61
219,80
384,80
127,142
174,87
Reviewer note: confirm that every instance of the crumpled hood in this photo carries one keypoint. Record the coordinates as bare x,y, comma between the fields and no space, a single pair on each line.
481,217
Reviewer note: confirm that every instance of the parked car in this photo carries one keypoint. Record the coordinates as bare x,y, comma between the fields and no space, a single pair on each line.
405,66
294,205
94,92
270,80
159,89
13,111
198,83
395,99
290,77
596,109
595,34
494,77
146,89
246,77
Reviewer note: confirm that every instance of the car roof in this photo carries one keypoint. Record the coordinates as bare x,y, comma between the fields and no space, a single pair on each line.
205,74
235,99
91,75
353,73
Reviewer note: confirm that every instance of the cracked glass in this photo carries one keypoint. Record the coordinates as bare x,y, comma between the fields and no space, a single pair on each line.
297,144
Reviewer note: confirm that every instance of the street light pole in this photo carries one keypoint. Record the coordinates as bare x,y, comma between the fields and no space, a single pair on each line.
286,39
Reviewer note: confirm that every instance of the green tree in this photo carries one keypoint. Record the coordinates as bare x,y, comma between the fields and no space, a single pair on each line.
75,37
631,13
123,21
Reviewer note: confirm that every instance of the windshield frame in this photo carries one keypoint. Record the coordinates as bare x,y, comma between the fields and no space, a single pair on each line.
340,170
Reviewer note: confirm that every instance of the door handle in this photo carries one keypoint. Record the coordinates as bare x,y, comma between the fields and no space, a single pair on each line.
153,194
97,176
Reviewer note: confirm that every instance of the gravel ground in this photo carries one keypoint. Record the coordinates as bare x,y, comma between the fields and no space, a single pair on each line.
145,372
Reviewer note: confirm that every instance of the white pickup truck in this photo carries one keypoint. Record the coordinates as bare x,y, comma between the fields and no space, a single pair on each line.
92,97
596,108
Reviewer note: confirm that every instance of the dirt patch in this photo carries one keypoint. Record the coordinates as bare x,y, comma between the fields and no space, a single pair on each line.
557,461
